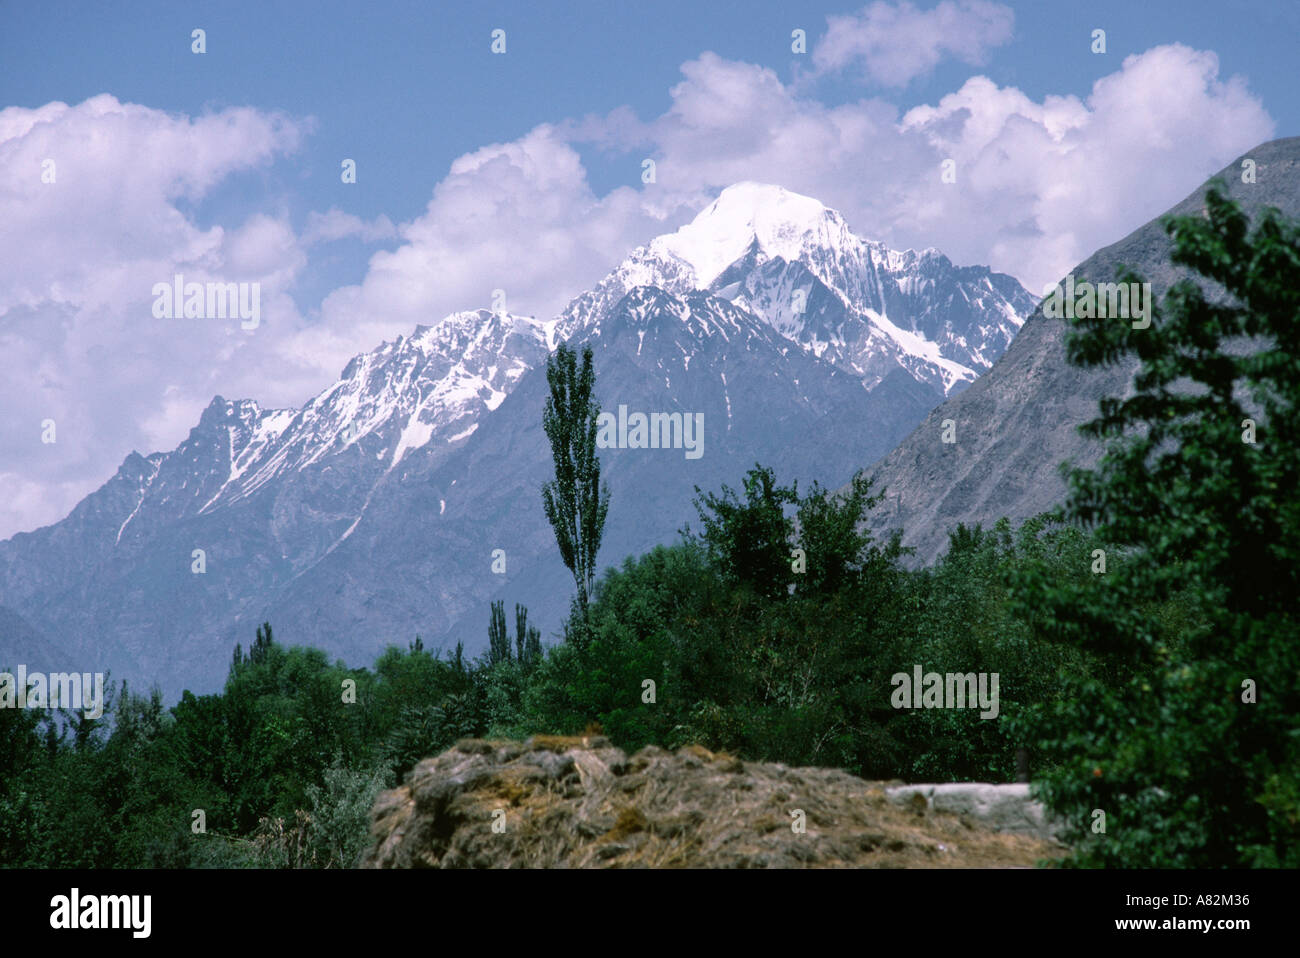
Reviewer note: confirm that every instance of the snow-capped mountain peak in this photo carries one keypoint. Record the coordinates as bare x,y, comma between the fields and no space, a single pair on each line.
794,263
782,223
429,387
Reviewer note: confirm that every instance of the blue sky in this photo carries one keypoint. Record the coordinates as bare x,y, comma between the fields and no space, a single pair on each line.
405,88
522,171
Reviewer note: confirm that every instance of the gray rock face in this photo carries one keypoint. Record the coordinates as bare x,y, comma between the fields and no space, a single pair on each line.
435,525
1019,421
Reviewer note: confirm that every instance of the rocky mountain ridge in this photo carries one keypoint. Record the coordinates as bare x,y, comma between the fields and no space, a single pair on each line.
371,514
1019,421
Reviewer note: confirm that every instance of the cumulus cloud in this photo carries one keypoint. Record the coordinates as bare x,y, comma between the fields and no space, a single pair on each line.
1042,185
519,217
90,200
892,44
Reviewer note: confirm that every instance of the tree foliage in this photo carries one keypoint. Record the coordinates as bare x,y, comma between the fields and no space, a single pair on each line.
575,501
1190,767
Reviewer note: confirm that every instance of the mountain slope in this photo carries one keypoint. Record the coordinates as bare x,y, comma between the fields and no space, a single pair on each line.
423,552
370,514
263,495
1016,423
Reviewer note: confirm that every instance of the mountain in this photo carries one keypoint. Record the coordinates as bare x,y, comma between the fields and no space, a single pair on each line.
263,494
372,513
857,304
1015,424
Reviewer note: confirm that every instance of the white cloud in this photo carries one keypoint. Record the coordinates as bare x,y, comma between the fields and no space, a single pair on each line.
336,224
519,217
78,261
892,44
1040,184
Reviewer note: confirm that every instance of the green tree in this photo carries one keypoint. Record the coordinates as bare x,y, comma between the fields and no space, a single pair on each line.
576,502
23,764
498,640
528,638
750,540
838,547
338,833
1190,767
641,618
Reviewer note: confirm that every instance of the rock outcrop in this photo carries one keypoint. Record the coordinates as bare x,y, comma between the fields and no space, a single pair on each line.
580,802
1003,808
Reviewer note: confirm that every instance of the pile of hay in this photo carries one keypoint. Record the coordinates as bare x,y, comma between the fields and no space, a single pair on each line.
581,803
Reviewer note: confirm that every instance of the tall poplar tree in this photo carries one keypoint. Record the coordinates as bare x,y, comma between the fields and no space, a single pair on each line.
575,502
498,640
